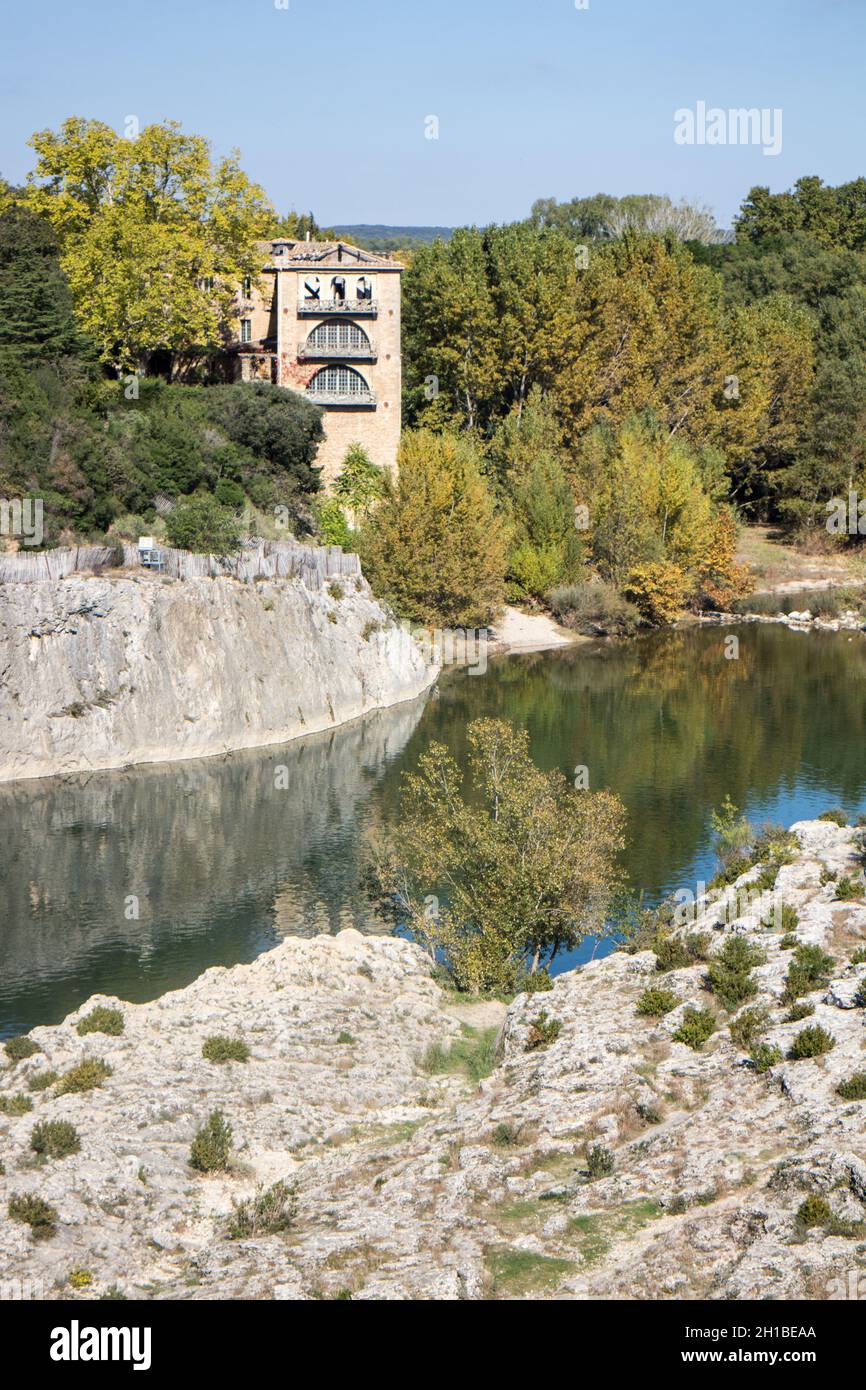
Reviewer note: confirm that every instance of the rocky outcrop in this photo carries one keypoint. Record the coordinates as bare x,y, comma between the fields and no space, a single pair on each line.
414,1178
107,671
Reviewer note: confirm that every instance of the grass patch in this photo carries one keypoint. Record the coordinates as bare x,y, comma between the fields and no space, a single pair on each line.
597,1231
85,1077
522,1274
18,1104
473,1055
101,1020
18,1049
55,1139
222,1049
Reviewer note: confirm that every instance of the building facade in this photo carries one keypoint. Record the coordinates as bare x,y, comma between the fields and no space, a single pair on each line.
326,322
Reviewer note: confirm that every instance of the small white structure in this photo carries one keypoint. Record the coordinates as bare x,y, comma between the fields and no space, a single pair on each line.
149,555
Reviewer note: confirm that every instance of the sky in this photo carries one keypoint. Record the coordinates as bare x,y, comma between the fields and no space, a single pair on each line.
329,101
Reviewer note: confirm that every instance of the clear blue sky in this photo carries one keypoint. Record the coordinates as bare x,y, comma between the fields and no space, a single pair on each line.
327,100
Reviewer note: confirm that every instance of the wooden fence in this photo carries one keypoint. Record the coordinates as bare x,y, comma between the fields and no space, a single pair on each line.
313,565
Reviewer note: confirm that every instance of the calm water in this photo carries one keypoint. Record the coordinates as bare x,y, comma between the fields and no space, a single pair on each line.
224,862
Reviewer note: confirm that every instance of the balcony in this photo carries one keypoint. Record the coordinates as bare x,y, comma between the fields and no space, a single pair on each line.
355,308
324,352
342,399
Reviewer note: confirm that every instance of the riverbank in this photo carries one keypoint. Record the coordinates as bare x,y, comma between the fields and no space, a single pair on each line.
109,671
435,1152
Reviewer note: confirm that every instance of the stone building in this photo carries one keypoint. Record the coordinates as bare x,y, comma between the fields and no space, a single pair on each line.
326,322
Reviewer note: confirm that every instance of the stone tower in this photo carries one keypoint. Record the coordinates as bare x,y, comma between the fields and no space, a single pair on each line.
327,323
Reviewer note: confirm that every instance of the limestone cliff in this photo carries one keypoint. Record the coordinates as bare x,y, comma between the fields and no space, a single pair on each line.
102,672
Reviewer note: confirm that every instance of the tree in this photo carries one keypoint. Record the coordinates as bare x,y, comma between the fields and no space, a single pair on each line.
37,323
360,482
201,524
154,237
434,547
523,865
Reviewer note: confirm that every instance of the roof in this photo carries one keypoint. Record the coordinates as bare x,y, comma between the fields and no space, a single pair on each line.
307,255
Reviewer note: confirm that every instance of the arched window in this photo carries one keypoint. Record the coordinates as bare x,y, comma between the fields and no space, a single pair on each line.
343,382
338,336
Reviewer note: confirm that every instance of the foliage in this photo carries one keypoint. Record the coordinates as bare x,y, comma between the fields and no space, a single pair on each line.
35,1212
271,1211
18,1104
18,1049
155,238
854,1088
595,609
435,550
37,324
525,864
211,1147
84,1077
55,1139
360,482
849,889
200,524
599,1161
696,1027
543,1031
815,1211
798,1012
101,1020
811,1042
332,524
657,591
765,1055
223,1049
729,974
473,1055
810,969
747,1027
679,952
654,1003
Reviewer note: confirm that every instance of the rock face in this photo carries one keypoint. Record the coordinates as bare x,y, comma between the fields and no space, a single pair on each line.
102,672
416,1179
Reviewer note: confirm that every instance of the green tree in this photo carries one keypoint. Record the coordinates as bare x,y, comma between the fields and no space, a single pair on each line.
201,524
155,238
524,865
434,547
37,323
360,482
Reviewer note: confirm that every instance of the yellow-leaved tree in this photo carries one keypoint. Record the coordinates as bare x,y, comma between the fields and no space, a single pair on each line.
155,237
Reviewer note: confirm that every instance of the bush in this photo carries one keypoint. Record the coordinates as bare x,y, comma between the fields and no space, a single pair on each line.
658,591
815,1211
599,1161
85,1077
18,1049
200,524
679,952
210,1149
542,1032
810,969
271,1210
729,975
594,609
697,1025
55,1139
506,1135
854,1088
654,1003
789,942
222,1049
101,1020
332,524
782,917
748,1026
798,1012
860,996
811,1042
764,1056
41,1080
36,1213
849,889
837,816
15,1105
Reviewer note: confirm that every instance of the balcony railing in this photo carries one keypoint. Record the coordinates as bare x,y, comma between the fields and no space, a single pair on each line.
341,398
364,308
312,352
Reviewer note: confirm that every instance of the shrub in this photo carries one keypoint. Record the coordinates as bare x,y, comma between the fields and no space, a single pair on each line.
223,1049
654,1003
836,815
41,1080
344,1037
505,1135
859,956
594,609
748,1026
798,1012
84,1077
101,1020
55,1139
810,969
789,942
200,524
729,975
35,1212
210,1149
764,1056
697,1025
658,591
272,1210
815,1211
17,1049
854,1088
782,917
336,591
811,1042
78,1278
860,996
542,1032
679,952
15,1105
332,523
849,889
599,1161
